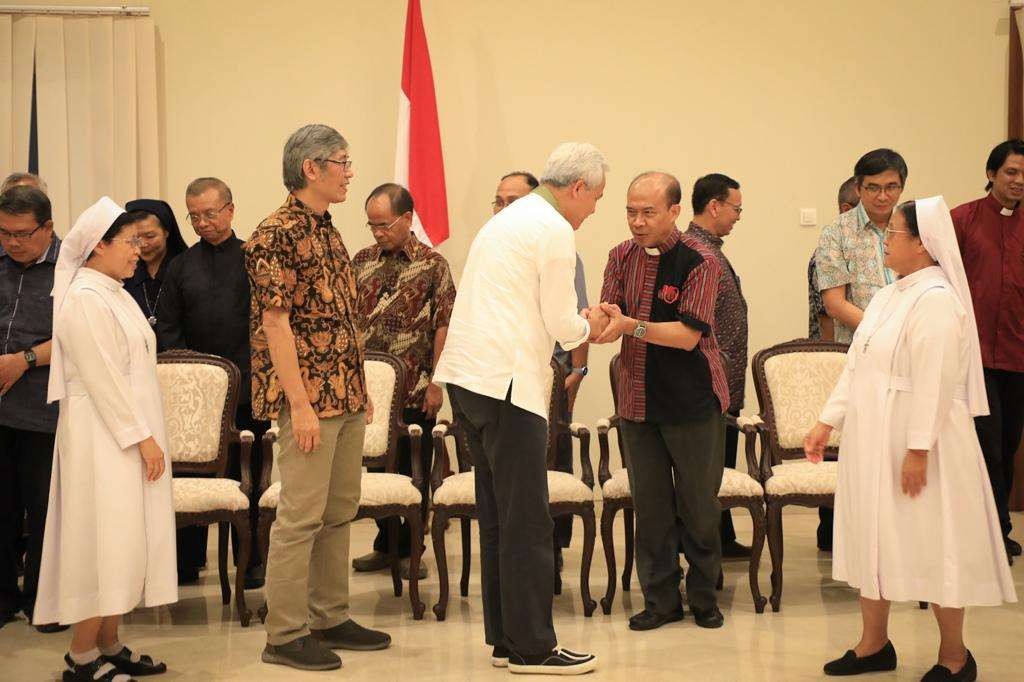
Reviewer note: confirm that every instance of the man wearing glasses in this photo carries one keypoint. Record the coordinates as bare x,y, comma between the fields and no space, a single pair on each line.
28,255
204,306
513,186
406,294
848,261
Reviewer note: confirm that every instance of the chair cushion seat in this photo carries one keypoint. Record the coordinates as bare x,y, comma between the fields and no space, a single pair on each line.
803,478
375,490
734,484
191,495
460,489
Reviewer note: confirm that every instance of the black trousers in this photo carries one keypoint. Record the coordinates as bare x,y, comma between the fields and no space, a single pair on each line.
1000,434
192,541
26,460
508,446
404,461
732,443
675,471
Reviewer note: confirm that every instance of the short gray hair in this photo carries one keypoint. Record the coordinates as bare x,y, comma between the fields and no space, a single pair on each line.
315,142
572,161
28,179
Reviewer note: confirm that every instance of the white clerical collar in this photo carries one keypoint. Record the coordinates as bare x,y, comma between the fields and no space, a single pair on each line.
652,251
1005,211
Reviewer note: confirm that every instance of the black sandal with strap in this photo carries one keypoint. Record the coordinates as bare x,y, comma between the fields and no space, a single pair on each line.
139,665
96,671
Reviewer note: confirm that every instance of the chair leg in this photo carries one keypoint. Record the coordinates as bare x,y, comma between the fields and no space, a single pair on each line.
415,520
627,569
437,525
589,535
757,547
466,556
222,562
241,524
608,542
775,547
396,569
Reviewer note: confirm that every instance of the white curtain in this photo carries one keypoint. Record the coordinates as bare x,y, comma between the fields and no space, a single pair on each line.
96,107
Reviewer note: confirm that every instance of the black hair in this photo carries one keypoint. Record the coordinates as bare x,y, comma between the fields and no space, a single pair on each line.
878,161
711,186
122,221
848,193
22,199
909,211
529,177
398,196
997,157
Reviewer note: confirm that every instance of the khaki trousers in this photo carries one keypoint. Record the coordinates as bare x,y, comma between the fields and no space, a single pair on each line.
307,568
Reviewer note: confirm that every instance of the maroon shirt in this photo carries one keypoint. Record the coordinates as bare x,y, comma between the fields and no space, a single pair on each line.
992,246
678,283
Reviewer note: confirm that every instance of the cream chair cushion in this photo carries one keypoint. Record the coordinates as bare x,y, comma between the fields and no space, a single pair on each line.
460,489
380,384
734,484
207,494
193,399
376,490
799,385
803,478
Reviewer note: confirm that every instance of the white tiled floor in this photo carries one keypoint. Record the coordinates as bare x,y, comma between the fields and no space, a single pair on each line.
201,640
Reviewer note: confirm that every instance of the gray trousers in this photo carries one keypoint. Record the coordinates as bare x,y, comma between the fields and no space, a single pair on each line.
508,447
675,471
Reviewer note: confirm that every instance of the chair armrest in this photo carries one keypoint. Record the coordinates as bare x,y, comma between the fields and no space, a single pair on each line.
441,461
580,431
755,429
245,440
415,446
269,438
604,425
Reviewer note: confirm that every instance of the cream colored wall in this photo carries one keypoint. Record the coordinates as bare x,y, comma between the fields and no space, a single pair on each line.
783,95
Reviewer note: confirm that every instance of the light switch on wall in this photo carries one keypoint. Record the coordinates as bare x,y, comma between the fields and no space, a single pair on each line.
808,217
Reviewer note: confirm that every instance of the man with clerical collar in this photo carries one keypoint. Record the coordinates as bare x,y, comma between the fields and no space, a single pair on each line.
406,295
660,289
849,257
990,232
204,306
28,256
717,205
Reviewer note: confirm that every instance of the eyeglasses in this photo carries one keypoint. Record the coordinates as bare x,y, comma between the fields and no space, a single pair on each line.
383,228
875,190
210,214
344,163
19,236
500,203
134,242
736,207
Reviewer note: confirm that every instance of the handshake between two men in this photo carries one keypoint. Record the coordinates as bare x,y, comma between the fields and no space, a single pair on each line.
607,323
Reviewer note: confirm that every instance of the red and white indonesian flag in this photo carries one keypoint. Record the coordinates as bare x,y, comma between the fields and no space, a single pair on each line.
418,162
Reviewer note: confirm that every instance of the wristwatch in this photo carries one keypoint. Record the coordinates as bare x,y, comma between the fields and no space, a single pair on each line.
641,329
30,358
582,371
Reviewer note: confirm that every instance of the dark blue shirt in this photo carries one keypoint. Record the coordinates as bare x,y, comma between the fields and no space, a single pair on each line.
26,320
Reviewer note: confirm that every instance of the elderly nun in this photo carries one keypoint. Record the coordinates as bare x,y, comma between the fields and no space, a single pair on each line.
915,518
109,540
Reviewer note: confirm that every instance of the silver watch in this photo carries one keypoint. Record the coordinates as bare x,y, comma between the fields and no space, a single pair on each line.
641,329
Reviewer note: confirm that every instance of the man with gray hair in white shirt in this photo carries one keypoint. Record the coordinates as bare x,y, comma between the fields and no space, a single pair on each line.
516,299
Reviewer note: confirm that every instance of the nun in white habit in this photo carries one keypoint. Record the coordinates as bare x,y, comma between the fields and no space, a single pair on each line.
914,514
109,540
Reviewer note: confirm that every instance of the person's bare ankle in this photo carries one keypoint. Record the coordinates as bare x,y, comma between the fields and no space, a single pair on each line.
955,661
866,647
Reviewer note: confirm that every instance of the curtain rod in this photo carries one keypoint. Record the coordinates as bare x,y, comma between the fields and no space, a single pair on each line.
85,10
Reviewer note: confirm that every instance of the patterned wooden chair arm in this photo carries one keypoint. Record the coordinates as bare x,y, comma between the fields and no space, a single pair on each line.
580,431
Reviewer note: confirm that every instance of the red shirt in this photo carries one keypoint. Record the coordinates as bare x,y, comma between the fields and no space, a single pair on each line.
992,246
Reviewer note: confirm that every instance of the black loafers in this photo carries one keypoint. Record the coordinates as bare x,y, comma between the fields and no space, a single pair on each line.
708,618
648,620
850,664
941,673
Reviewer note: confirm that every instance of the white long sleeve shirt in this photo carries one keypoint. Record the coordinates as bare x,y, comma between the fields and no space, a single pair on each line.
516,299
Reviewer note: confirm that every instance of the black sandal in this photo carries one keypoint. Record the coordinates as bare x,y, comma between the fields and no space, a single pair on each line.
96,671
135,664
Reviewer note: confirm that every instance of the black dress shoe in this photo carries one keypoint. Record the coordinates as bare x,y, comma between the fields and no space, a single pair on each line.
850,664
940,673
1012,546
50,628
708,618
734,550
648,620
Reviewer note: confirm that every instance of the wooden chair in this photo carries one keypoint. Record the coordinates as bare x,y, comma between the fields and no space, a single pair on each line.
454,496
793,381
737,490
387,495
200,396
